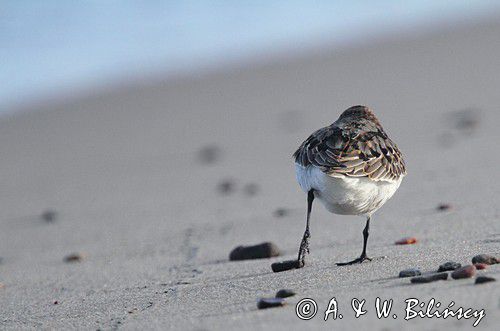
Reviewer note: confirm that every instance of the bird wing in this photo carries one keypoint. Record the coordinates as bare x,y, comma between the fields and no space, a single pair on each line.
348,153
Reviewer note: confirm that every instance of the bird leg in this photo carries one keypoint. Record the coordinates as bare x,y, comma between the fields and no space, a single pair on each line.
304,244
363,256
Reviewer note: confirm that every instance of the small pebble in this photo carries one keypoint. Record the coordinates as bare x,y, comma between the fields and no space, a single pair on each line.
449,266
412,272
484,279
1,285
75,257
430,278
251,189
485,258
285,293
260,251
209,154
444,207
467,271
264,303
286,265
226,186
49,216
281,212
407,241
480,266
467,119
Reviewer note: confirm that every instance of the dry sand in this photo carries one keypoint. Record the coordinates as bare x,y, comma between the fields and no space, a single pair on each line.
123,172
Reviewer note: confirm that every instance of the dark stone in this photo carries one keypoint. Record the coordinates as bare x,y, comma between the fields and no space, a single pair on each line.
49,216
449,266
260,251
484,279
444,207
485,258
412,272
75,257
264,303
226,186
285,293
467,271
430,278
286,265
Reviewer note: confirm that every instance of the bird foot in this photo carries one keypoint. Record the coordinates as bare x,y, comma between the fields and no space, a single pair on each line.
360,259
304,249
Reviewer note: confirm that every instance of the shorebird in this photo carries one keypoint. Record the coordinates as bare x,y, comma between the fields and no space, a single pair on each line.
352,167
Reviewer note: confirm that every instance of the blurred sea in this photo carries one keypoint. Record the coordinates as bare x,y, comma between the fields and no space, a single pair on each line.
51,47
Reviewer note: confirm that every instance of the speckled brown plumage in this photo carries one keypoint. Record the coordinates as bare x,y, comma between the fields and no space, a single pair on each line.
355,145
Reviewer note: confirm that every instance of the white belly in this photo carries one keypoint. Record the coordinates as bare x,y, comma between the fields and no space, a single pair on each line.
346,195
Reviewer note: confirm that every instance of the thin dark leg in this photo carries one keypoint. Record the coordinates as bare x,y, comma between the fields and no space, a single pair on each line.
363,256
304,245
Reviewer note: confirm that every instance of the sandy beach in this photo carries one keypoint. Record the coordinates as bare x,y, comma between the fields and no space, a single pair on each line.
155,182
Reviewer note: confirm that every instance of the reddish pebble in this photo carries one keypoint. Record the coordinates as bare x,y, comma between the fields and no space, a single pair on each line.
407,241
465,272
481,266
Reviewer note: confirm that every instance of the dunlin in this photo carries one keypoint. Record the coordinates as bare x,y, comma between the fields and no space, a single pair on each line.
352,167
